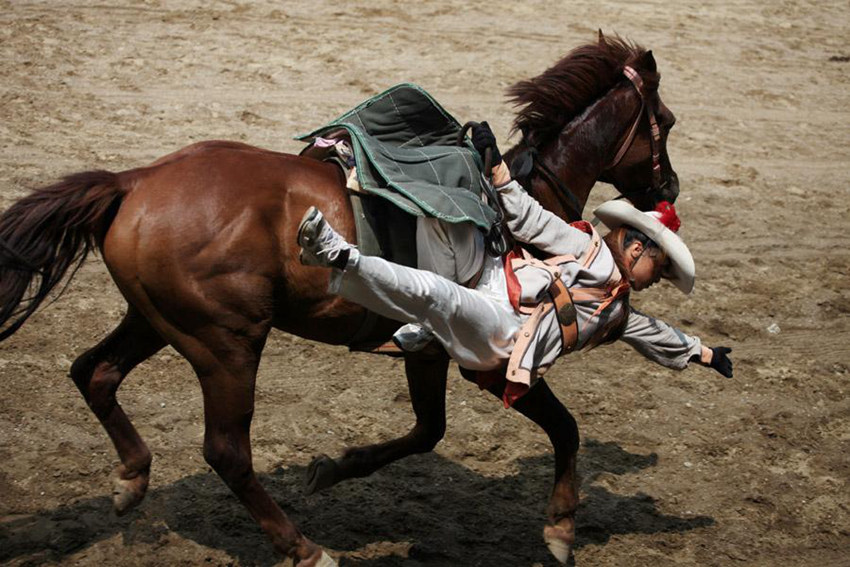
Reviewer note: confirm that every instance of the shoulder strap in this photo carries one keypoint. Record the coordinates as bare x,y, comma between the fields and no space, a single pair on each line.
592,249
587,256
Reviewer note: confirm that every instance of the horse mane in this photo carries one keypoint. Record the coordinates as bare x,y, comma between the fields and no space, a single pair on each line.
562,92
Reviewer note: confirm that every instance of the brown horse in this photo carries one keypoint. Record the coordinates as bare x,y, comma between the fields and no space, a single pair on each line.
201,243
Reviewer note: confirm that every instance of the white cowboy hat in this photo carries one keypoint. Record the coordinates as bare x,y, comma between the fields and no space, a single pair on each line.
656,225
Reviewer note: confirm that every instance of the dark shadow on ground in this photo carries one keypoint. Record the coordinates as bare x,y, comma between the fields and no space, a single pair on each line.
438,511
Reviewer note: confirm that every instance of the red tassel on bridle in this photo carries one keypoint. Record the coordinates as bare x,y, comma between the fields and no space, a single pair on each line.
668,217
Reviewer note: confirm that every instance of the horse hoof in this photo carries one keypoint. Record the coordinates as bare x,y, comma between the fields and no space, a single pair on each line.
127,493
324,560
560,542
321,474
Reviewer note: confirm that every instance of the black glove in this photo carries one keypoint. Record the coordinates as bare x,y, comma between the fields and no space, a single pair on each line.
721,362
483,138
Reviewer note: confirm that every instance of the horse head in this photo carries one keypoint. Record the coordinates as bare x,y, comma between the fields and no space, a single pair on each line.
596,115
641,169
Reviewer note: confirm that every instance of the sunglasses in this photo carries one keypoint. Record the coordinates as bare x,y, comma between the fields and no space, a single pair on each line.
667,271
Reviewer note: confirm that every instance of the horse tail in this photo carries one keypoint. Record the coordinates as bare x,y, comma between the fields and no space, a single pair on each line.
48,233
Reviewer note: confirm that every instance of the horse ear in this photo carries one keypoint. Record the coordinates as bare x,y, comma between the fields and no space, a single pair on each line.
647,62
601,38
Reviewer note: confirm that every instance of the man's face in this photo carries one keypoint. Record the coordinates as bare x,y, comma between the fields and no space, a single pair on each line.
647,265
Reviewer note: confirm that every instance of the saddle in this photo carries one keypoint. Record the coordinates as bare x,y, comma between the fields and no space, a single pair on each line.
399,153
405,147
382,229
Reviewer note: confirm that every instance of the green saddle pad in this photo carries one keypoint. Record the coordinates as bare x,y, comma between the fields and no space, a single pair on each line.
405,148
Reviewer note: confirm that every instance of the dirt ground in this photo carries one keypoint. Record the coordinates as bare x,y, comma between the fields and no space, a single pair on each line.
679,468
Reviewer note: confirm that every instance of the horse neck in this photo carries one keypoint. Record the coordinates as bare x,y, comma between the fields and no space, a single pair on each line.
579,155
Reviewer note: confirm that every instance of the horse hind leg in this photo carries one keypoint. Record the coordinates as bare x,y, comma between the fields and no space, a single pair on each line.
226,365
98,373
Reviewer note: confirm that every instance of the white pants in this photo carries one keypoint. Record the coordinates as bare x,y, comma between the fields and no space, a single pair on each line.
452,250
476,326
456,251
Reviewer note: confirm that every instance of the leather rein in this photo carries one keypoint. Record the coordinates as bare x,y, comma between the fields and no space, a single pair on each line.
555,182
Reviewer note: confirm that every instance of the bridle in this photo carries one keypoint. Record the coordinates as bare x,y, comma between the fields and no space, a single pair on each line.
654,141
532,163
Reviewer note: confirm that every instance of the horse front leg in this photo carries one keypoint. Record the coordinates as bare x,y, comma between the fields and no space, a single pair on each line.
541,406
426,382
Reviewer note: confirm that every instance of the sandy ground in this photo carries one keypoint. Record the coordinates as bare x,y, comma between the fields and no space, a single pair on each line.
679,468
